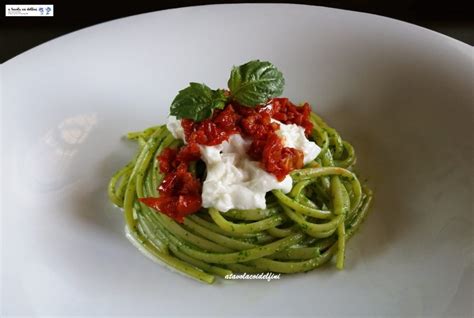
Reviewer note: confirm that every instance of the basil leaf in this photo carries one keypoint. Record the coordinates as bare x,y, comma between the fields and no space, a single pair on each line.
255,82
197,101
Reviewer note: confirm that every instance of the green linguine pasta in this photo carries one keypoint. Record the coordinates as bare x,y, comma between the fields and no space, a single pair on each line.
297,232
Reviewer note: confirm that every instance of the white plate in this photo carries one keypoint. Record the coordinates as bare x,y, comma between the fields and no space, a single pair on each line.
400,93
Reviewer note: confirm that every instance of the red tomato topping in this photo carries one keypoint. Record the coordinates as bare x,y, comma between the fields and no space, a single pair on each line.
258,125
180,191
227,120
288,113
180,195
189,153
251,122
280,160
167,160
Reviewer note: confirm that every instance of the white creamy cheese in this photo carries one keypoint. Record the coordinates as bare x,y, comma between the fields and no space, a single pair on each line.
175,128
233,180
294,137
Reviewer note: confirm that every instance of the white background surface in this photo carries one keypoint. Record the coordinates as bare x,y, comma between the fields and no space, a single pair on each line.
401,94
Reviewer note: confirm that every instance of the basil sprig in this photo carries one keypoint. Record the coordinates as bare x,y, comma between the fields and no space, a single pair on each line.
250,84
255,83
197,102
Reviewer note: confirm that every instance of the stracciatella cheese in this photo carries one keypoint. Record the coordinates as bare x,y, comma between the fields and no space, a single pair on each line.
293,136
234,181
175,128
